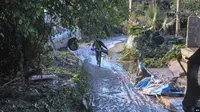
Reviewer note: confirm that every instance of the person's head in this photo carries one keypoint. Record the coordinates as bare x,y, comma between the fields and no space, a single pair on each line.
97,38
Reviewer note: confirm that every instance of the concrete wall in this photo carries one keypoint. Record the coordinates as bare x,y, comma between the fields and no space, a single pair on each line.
193,32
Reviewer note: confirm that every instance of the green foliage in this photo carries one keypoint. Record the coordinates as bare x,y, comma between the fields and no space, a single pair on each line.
96,17
152,55
144,46
39,99
59,70
190,5
135,30
63,94
173,54
155,17
149,16
24,32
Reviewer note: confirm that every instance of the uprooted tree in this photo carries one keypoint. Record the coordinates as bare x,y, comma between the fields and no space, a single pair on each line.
24,32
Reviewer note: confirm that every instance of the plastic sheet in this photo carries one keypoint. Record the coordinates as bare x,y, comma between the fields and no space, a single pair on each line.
143,83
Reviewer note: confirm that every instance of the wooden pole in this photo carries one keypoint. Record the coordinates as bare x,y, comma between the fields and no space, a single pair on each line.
130,5
130,10
154,3
177,17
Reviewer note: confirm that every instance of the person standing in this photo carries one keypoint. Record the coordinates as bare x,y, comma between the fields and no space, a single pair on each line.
99,47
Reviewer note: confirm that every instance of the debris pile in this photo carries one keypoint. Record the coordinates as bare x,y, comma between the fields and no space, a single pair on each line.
156,84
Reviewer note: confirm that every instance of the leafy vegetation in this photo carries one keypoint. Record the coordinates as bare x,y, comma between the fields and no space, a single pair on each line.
26,27
135,30
149,17
152,25
63,94
173,54
192,6
147,50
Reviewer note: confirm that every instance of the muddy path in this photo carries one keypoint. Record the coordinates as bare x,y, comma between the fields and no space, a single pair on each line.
110,87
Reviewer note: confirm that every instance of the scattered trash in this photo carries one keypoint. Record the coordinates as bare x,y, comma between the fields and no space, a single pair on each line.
142,72
156,85
143,83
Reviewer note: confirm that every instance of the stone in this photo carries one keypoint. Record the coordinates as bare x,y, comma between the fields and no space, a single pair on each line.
193,32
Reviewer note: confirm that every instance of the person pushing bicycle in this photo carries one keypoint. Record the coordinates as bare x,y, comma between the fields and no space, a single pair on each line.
99,46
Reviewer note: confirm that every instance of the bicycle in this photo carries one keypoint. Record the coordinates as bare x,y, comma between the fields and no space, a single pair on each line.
99,55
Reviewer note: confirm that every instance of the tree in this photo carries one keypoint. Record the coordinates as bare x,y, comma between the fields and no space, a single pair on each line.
23,32
130,5
177,17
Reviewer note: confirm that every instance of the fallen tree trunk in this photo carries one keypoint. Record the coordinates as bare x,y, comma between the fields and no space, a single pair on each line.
44,77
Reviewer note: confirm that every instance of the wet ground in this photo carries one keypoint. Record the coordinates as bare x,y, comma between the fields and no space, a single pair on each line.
110,86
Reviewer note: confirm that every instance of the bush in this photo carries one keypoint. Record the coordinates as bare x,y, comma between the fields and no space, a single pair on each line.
135,30
160,61
144,46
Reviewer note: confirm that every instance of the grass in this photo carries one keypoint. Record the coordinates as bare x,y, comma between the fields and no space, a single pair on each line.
60,71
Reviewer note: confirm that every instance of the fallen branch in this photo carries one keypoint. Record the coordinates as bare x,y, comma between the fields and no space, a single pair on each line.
45,77
9,82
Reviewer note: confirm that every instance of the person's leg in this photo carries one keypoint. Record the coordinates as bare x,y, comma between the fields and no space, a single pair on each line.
97,57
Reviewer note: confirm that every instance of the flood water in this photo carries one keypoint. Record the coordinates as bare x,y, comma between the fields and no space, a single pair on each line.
111,89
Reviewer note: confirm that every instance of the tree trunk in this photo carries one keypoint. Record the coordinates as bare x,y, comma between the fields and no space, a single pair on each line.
177,17
154,3
130,5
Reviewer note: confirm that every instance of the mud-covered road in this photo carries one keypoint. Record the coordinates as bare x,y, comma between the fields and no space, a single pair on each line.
110,88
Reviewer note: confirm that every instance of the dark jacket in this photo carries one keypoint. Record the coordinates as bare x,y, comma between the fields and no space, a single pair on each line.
98,44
